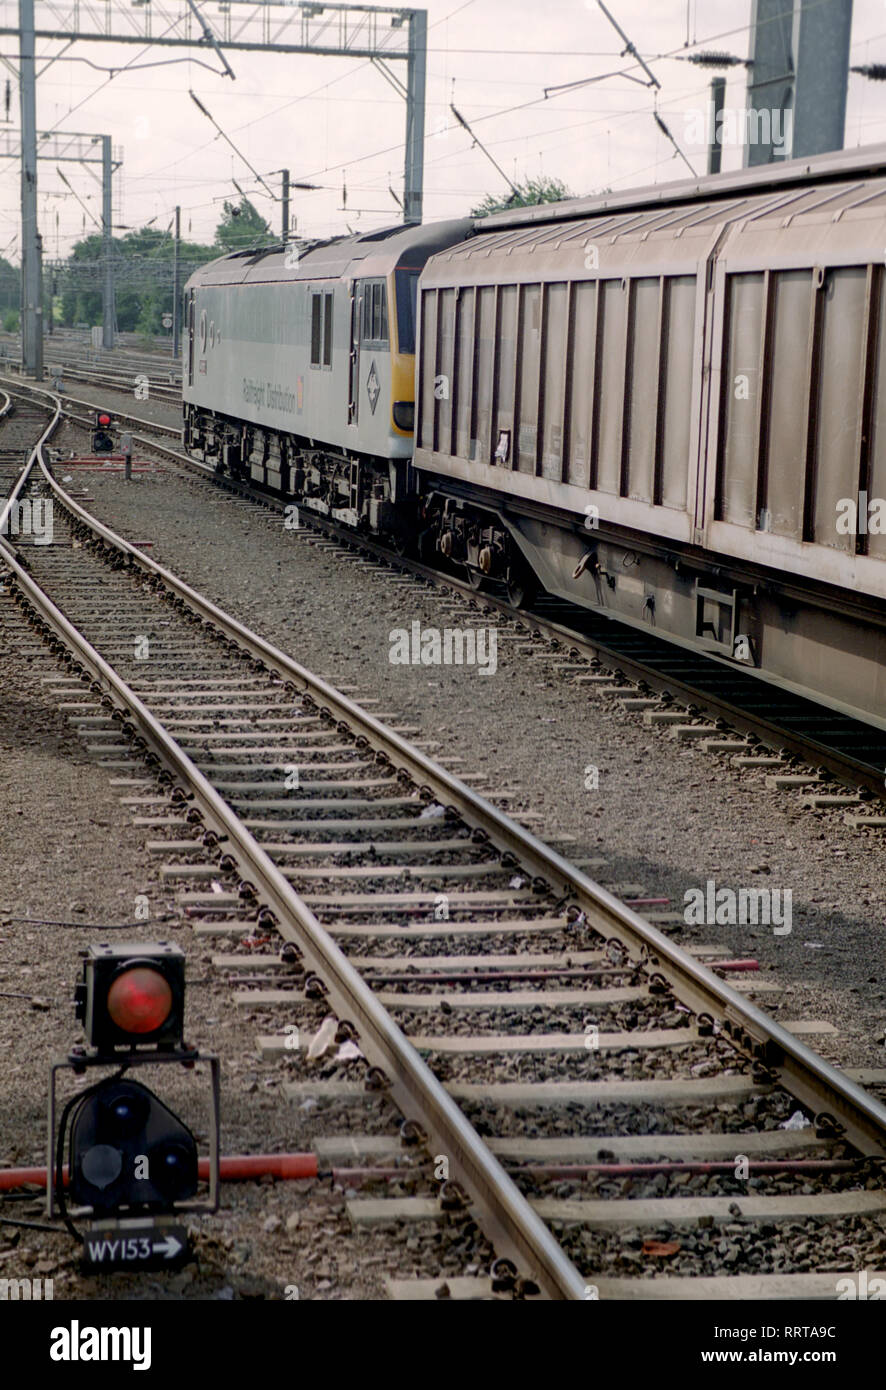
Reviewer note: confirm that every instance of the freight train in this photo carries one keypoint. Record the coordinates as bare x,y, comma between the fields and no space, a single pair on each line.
666,405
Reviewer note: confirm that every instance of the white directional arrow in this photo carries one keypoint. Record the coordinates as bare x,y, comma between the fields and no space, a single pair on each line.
168,1247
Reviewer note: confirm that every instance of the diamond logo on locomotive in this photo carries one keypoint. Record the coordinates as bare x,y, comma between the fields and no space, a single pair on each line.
373,389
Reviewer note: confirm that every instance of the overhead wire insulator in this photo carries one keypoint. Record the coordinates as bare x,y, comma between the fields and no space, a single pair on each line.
875,71
707,58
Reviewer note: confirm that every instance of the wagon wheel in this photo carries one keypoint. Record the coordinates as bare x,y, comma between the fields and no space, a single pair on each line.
475,579
523,586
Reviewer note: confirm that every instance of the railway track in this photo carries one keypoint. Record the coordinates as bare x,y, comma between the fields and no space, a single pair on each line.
138,378
156,383
776,729
650,1113
121,371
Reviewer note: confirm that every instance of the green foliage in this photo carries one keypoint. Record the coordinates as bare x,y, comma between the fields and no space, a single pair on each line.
10,286
242,226
11,321
143,270
142,273
529,192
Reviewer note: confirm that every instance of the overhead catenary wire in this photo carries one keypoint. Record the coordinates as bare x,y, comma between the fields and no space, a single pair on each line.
490,115
461,120
380,180
70,186
200,107
125,68
323,87
493,115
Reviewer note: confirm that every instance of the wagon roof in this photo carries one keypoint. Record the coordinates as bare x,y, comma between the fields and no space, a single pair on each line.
869,161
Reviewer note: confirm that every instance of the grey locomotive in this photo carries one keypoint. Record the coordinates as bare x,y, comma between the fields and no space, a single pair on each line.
300,369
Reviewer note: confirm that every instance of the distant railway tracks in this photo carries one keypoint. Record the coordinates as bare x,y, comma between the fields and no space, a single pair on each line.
160,388
124,371
650,1117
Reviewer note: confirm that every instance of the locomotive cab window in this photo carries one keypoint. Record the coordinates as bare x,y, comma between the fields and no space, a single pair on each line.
375,312
321,329
406,282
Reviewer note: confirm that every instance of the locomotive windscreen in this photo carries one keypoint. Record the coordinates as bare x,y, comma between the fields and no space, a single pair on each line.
406,282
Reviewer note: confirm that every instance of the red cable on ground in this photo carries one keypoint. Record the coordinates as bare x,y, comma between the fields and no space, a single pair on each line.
238,1167
251,1167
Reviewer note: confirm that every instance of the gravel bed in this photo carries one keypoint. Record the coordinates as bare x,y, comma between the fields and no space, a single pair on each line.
503,987
510,943
532,730
652,1064
547,1121
738,1247
642,1188
70,854
412,916
313,1247
440,858
124,403
563,1018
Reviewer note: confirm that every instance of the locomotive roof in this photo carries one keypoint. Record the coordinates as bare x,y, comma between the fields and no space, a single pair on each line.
868,161
367,253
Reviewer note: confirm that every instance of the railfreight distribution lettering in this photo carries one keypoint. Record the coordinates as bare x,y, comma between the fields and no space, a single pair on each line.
269,394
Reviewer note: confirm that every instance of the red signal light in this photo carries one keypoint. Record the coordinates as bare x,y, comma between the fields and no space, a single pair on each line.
132,992
139,1000
104,419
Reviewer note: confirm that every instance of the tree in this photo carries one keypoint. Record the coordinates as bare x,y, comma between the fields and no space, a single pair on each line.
242,226
143,275
81,304
529,192
10,285
143,270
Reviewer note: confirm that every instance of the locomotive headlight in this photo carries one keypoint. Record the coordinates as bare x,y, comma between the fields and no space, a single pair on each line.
404,415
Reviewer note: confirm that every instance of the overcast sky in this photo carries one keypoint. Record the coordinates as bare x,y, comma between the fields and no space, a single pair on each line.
338,122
